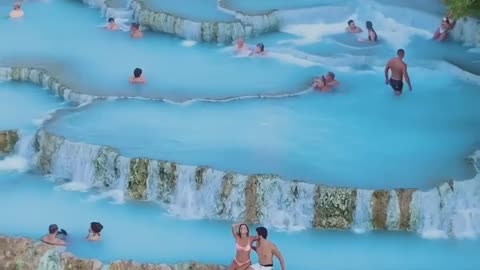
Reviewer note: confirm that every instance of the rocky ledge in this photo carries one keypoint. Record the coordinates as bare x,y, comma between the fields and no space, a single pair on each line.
26,254
8,139
243,26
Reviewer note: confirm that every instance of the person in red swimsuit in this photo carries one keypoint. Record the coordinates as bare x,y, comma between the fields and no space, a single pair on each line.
243,242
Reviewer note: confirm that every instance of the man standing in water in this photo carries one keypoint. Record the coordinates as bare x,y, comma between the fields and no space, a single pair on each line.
265,252
399,71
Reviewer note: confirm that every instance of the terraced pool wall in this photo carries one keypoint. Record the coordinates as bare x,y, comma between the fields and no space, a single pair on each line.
8,139
25,254
467,30
222,32
268,199
209,193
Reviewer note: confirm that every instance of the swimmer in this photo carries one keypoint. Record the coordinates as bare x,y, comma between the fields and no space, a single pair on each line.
352,28
112,26
372,35
399,71
442,31
135,31
325,83
259,50
321,84
17,12
137,76
243,242
94,231
53,236
240,47
265,251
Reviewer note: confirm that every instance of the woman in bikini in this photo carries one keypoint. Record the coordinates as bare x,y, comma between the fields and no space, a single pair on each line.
243,242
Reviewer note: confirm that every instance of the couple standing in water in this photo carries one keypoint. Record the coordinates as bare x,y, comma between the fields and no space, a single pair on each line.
264,248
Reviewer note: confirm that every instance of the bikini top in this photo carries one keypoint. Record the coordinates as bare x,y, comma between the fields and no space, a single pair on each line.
246,248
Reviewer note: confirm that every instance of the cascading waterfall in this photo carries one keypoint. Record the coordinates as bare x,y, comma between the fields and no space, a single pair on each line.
466,31
449,210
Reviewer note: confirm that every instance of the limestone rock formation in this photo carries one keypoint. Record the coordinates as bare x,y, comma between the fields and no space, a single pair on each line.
25,254
223,32
8,139
334,207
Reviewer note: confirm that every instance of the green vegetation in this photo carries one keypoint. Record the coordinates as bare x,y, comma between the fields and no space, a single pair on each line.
462,8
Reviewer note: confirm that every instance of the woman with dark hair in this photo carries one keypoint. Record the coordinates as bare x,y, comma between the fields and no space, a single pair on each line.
372,35
243,242
94,231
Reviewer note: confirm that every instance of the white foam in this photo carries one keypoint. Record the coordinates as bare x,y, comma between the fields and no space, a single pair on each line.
115,196
434,234
189,43
311,33
291,59
74,186
14,163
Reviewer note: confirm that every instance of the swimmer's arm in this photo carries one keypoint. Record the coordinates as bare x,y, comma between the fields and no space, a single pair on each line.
255,239
235,229
387,68
407,78
279,256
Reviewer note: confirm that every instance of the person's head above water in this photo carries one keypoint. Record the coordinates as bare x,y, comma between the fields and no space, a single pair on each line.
96,227
260,48
369,25
240,42
351,24
16,6
330,76
111,20
400,53
53,229
137,72
262,232
243,230
135,26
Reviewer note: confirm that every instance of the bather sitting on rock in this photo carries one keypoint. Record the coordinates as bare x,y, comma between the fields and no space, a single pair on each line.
55,237
94,231
259,50
137,76
352,28
442,31
112,26
17,12
135,31
243,242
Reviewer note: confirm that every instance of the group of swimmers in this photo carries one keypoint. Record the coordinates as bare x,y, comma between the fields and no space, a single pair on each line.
244,244
58,237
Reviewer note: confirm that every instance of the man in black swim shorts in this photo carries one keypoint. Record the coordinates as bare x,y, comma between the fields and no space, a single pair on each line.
399,71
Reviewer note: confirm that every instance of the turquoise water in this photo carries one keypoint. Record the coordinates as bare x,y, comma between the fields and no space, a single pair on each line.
359,136
196,10
143,232
382,141
24,106
86,57
252,6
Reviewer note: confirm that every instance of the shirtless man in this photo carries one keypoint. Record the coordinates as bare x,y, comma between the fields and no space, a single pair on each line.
112,26
352,28
137,76
17,12
399,71
51,238
135,31
265,252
